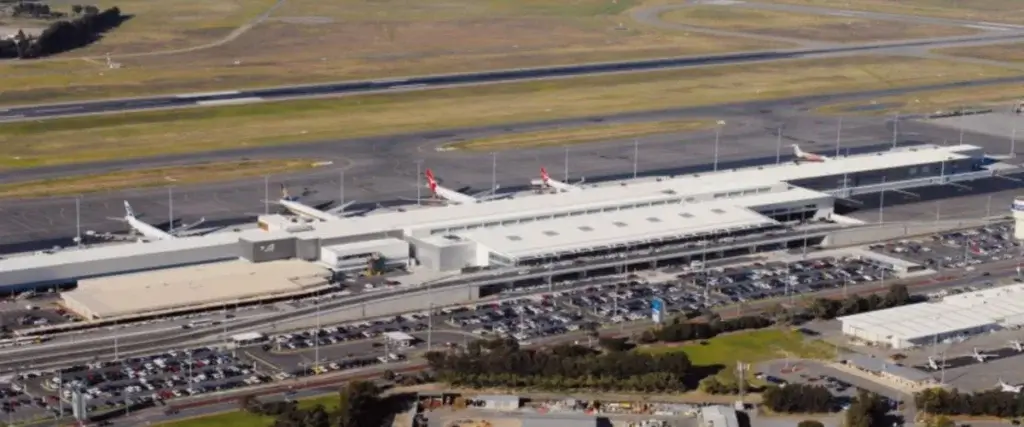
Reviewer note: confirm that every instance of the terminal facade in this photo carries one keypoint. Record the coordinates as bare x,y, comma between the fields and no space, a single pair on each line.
646,218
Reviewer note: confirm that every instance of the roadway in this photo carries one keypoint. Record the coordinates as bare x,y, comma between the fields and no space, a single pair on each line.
383,169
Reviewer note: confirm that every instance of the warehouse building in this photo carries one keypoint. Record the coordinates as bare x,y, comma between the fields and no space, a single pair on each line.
169,291
531,229
954,317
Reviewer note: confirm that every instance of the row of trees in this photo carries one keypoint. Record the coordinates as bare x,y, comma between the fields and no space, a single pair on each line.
994,403
824,308
502,363
798,398
360,405
681,329
64,35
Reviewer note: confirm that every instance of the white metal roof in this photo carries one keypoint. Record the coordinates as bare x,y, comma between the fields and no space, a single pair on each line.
72,255
192,286
375,244
247,336
952,314
398,336
615,228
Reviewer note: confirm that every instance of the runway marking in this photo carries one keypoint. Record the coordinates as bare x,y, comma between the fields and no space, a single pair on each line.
59,109
986,28
204,94
235,101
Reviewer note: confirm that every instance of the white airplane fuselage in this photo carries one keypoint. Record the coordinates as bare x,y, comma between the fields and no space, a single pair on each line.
149,231
559,185
307,211
453,196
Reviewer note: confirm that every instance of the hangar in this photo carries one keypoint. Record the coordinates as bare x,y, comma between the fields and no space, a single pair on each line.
189,288
454,237
954,317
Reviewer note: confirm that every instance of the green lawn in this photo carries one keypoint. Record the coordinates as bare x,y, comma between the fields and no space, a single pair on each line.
244,419
750,347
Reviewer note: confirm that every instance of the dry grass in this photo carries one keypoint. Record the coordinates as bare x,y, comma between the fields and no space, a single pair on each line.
308,41
1011,52
578,135
1001,96
1008,11
155,133
157,177
807,26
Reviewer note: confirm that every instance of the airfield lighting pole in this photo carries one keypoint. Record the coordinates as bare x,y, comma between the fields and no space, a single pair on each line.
1013,143
566,163
170,209
938,211
419,183
839,135
266,194
895,129
430,325
78,220
881,204
961,129
341,187
316,341
988,207
778,145
718,135
494,171
636,155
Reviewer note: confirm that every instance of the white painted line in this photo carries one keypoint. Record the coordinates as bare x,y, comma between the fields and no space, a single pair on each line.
17,116
987,28
58,109
202,94
230,101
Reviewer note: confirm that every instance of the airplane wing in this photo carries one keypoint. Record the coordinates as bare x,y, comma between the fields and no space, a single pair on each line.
338,210
184,230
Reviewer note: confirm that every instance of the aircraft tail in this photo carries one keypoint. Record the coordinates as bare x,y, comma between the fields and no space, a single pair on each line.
431,181
798,152
128,212
544,174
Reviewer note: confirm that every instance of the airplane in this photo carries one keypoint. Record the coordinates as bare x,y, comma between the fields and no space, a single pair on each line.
150,232
293,205
457,197
980,357
547,181
936,365
809,157
1017,346
1010,388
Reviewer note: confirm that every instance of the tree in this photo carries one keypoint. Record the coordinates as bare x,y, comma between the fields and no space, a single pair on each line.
358,403
810,423
76,9
247,402
867,410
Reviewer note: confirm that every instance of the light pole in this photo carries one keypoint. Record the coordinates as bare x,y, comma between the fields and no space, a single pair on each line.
170,209
78,220
419,183
494,171
778,145
636,155
566,163
839,135
266,194
718,135
895,129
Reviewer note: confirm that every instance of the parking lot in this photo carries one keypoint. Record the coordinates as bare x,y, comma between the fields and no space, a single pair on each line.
962,249
842,384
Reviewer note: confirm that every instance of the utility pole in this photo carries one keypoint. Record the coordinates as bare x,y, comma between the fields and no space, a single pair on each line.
1013,143
895,129
419,183
839,135
494,171
170,209
988,207
961,129
636,155
430,325
778,145
566,163
316,341
78,220
938,211
266,194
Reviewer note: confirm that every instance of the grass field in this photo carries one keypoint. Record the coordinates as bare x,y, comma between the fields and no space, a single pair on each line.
307,41
154,133
1000,97
244,419
1012,52
578,135
806,26
156,177
750,347
1008,11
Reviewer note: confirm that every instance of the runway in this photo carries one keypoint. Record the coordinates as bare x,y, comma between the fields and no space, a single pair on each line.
236,97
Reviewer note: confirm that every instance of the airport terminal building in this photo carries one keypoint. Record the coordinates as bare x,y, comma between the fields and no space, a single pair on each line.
654,217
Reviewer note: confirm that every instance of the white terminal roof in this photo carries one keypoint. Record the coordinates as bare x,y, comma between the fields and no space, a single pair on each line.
194,286
615,228
1004,306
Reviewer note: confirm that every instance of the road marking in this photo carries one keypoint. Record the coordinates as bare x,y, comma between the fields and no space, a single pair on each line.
203,94
230,101
14,117
987,28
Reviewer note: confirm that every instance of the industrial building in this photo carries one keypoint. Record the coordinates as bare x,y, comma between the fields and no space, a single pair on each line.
530,229
213,285
954,317
718,416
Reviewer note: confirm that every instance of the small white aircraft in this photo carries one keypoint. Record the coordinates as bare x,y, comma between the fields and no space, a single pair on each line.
1010,388
457,197
547,182
979,356
293,205
1017,346
936,365
150,232
802,155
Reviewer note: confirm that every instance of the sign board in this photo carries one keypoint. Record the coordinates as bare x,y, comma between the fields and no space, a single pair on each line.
657,310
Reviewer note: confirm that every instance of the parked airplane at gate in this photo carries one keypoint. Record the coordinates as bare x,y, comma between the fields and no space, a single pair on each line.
1017,346
1010,388
150,232
802,155
981,357
457,197
548,182
293,205
936,365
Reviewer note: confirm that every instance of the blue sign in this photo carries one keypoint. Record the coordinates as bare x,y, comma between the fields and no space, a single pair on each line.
657,310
